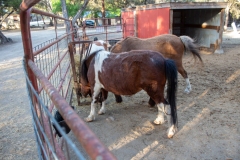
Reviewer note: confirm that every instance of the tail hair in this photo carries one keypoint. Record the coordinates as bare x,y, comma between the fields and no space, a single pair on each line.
84,70
172,79
191,46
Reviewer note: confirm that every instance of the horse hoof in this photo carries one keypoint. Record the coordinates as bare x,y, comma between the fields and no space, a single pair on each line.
101,112
187,91
171,131
158,122
151,106
88,119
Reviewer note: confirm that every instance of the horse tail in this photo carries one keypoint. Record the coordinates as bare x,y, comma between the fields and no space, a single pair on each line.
84,70
191,46
172,79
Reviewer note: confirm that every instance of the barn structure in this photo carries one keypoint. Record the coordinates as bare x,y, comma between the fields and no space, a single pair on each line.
202,21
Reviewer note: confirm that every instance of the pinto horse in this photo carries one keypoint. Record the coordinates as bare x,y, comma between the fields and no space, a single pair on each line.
128,73
98,45
170,46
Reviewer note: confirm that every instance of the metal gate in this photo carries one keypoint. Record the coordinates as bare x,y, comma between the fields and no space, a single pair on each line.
49,69
111,31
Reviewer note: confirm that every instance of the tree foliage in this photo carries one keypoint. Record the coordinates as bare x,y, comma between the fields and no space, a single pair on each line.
7,7
72,7
233,7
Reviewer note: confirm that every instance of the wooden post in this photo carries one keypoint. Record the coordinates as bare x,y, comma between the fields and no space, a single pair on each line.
171,22
135,23
219,49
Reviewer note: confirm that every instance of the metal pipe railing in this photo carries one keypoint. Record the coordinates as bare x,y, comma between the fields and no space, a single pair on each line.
89,141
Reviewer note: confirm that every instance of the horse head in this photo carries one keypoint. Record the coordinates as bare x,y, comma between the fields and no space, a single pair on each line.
99,45
118,47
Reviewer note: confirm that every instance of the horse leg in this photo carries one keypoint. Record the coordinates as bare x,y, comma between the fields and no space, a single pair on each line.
104,97
165,109
171,128
118,98
151,102
181,70
160,116
157,97
95,96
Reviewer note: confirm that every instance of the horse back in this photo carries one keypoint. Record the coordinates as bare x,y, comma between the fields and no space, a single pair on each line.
169,45
129,72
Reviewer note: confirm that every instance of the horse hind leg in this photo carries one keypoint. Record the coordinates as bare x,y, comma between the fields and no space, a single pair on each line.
172,129
183,72
164,109
151,102
160,116
104,97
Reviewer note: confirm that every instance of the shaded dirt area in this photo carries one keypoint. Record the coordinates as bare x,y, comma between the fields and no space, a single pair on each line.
208,117
209,126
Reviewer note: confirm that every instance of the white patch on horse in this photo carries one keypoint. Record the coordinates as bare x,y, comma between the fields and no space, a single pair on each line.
99,58
188,86
96,48
102,109
160,116
171,128
152,59
101,41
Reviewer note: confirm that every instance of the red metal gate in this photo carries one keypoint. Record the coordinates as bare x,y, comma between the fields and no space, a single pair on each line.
48,68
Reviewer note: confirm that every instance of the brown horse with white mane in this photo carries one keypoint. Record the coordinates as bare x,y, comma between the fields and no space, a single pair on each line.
126,74
170,46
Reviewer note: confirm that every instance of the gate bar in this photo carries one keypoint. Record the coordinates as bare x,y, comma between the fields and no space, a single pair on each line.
89,141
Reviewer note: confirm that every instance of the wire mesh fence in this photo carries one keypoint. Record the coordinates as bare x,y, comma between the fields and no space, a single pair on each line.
49,72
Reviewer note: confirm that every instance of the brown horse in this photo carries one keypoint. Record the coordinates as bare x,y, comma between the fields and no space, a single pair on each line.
126,74
99,45
170,46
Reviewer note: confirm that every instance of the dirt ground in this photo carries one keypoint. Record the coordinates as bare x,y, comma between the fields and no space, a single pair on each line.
208,117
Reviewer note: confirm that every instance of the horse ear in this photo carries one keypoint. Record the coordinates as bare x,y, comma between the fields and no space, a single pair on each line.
105,46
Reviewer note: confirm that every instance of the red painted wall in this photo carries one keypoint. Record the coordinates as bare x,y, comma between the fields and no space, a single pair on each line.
150,22
128,21
153,22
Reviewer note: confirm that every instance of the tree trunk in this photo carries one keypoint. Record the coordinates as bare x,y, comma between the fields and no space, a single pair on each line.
65,14
80,11
227,16
4,39
6,16
103,12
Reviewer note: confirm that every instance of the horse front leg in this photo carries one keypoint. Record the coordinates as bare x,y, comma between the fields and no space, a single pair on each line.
104,97
95,96
118,98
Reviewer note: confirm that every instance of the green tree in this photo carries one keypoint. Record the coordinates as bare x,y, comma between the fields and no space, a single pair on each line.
233,7
7,7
